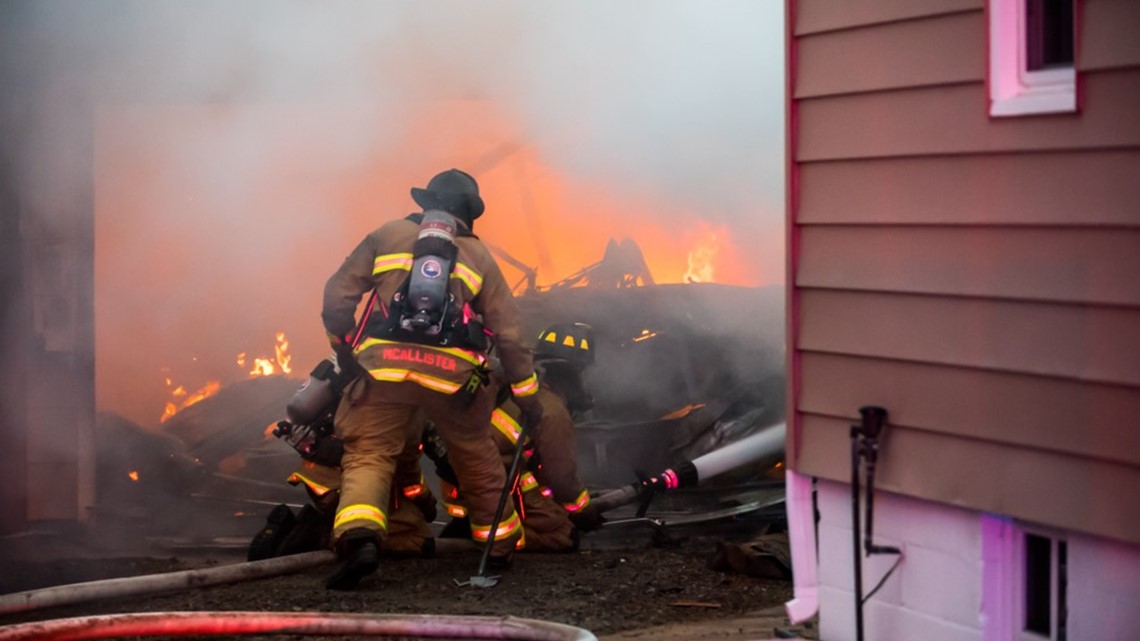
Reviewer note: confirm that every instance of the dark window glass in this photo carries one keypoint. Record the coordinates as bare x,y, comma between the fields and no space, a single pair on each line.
1037,598
1048,34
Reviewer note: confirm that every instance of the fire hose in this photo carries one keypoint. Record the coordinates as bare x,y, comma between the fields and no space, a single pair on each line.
767,442
160,583
295,623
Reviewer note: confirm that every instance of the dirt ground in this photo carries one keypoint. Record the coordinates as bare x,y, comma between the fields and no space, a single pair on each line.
614,585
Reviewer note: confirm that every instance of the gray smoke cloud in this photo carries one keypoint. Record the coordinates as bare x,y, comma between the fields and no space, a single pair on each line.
224,134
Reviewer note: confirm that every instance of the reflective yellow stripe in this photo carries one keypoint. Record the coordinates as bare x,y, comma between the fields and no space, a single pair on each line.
395,375
469,276
317,488
361,512
522,540
505,424
388,262
579,504
527,482
412,491
470,357
456,510
506,528
525,387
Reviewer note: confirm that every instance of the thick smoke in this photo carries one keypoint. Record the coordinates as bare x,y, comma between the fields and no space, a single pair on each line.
242,148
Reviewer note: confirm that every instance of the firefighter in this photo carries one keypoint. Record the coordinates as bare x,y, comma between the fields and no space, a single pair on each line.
423,349
554,501
411,508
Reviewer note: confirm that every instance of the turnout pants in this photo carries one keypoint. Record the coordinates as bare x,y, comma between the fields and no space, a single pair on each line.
375,419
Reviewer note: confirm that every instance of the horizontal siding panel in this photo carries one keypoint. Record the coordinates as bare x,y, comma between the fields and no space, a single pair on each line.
1059,490
1094,344
1090,420
954,120
1050,264
1088,188
825,15
1110,38
946,49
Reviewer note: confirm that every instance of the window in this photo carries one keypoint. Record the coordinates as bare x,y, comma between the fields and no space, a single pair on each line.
1025,582
1032,57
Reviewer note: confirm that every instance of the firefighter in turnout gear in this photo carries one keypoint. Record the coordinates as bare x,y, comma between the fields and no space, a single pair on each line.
424,349
554,502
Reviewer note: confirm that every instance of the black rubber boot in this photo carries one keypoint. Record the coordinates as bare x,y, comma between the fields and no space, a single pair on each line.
360,550
499,563
307,534
277,526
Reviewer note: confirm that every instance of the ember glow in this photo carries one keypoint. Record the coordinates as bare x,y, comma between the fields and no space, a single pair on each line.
133,475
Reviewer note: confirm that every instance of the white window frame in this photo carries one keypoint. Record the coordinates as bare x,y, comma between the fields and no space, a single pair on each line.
1014,90
1003,592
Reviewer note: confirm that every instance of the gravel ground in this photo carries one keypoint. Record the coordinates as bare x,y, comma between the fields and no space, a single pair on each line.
608,587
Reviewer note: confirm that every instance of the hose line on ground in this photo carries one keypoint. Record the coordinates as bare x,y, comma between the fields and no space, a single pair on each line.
160,583
296,623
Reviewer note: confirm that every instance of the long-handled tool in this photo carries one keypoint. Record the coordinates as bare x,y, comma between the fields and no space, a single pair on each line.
481,580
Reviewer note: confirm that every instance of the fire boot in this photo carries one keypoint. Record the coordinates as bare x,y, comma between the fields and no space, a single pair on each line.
360,550
309,533
277,526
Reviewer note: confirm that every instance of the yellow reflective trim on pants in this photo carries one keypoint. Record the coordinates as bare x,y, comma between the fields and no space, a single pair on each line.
396,375
525,387
469,276
388,262
579,504
470,357
505,424
505,529
527,482
317,488
455,510
361,512
412,491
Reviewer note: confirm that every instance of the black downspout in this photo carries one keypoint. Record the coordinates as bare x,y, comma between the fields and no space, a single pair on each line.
865,444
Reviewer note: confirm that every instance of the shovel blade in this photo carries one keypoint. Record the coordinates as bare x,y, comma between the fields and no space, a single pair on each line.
484,581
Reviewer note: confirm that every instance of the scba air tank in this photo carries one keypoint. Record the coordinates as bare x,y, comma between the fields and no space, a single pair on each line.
434,254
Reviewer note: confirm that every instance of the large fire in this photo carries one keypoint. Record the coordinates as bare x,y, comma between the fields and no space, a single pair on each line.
278,364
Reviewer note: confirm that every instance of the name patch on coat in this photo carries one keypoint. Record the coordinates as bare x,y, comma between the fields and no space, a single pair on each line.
415,355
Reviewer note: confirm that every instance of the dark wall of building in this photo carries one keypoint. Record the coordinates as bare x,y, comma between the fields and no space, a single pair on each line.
46,272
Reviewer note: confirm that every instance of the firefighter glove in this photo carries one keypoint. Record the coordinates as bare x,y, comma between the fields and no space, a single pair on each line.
587,519
531,413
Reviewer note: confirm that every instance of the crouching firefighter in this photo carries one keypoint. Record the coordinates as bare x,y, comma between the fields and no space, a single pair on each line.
553,501
309,430
424,348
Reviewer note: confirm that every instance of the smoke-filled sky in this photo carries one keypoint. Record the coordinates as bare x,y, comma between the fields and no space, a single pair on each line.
242,148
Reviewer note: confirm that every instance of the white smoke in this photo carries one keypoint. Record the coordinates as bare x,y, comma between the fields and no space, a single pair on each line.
679,101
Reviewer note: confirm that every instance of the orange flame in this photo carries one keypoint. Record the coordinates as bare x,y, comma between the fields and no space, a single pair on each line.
133,475
700,269
172,408
270,366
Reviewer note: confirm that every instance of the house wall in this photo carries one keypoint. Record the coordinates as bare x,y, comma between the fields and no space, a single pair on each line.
938,594
976,277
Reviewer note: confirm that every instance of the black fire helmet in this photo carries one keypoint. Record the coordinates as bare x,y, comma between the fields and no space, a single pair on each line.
453,191
571,342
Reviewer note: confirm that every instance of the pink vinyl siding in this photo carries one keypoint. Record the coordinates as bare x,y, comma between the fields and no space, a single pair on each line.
978,277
